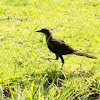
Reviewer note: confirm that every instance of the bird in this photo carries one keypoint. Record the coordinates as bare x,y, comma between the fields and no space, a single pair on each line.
59,47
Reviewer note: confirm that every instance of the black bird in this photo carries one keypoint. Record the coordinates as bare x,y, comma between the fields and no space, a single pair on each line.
59,47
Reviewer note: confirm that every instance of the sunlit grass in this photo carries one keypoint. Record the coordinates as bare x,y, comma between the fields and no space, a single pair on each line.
25,73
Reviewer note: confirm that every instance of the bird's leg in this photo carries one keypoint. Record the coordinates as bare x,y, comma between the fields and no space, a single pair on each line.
61,57
57,57
51,58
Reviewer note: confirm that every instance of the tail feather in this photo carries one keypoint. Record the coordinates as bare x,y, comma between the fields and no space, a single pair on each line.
84,54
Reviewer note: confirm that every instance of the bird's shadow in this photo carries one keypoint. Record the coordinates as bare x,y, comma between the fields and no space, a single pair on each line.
58,76
55,77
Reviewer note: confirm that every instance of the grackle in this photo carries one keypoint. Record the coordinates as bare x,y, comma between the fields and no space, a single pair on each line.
59,47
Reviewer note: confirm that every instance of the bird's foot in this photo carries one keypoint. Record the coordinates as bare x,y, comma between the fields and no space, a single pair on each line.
61,68
47,58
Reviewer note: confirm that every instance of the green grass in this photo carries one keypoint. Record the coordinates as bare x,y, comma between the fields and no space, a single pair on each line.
22,69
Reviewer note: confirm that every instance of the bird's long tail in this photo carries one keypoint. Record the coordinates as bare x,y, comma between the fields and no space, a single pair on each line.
84,54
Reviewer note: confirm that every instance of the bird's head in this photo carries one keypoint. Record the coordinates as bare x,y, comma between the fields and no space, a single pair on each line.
45,31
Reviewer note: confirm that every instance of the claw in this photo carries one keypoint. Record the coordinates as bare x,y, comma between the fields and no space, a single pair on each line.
47,58
61,68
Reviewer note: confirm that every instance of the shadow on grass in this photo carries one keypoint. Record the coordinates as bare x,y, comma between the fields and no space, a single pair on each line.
50,78
54,76
59,76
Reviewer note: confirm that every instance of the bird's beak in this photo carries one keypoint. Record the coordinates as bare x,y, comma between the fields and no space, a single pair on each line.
38,31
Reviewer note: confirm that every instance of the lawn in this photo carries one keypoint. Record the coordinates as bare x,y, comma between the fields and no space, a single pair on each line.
24,75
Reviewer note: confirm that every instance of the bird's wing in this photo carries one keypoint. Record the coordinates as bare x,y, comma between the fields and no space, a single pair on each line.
56,45
59,46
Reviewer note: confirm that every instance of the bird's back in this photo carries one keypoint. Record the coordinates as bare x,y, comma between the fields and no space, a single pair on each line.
59,47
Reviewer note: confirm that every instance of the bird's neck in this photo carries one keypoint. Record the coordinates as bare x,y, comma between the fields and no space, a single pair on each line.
48,37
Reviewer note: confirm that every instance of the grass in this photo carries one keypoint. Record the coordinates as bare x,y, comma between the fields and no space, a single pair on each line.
24,75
